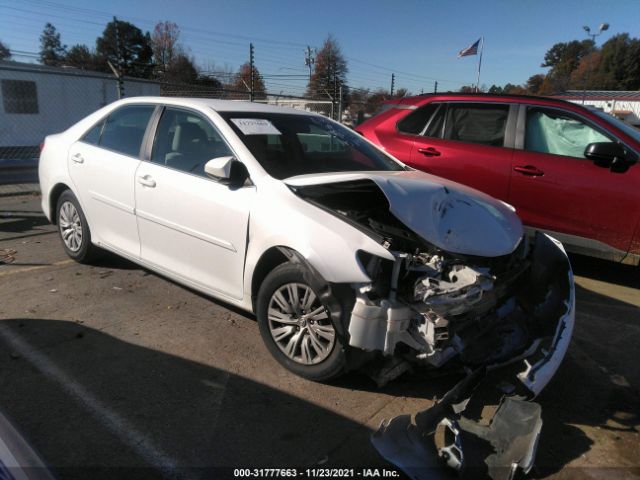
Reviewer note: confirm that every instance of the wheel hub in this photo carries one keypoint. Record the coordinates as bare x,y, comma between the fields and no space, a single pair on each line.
70,226
300,325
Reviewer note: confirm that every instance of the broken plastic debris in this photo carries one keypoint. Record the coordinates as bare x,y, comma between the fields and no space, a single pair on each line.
448,435
7,255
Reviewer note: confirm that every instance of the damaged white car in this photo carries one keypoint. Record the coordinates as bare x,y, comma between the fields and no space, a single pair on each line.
346,256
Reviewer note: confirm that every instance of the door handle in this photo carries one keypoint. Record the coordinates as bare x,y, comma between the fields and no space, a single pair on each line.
429,152
147,181
78,158
529,170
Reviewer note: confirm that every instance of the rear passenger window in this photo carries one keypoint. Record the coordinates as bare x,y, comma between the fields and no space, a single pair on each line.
415,122
186,141
124,129
476,123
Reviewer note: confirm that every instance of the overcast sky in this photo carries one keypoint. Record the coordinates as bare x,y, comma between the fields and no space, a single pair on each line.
418,40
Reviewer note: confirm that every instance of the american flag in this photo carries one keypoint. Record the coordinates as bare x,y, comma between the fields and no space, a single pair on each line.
472,50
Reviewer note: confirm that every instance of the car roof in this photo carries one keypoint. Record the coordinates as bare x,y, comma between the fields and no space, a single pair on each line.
216,105
483,96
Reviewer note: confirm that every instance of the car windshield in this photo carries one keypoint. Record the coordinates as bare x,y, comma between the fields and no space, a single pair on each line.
287,145
630,130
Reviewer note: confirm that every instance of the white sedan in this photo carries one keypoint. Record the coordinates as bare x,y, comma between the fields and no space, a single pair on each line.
346,256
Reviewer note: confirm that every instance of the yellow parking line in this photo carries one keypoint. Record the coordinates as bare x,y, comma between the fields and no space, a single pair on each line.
39,267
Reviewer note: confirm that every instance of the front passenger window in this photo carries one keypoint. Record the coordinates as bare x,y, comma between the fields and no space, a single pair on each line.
185,141
551,131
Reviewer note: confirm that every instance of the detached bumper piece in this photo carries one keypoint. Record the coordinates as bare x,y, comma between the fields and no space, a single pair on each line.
459,435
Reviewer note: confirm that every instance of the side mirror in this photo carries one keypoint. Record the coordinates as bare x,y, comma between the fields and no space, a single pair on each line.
606,154
219,168
227,170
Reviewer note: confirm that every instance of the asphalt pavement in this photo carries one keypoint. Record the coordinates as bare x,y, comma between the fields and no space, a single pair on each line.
112,371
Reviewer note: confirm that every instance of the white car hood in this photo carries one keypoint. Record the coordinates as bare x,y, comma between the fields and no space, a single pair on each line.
453,217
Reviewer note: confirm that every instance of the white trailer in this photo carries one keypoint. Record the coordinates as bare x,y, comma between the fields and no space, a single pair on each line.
37,100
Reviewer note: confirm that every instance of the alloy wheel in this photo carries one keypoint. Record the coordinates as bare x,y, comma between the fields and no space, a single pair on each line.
300,325
70,226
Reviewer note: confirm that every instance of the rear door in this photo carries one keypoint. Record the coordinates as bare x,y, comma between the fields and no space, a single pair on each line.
554,187
102,165
189,224
470,143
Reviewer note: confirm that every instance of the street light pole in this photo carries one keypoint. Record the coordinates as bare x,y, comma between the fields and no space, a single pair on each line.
602,28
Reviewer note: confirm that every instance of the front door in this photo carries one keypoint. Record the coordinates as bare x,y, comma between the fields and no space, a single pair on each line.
554,187
189,224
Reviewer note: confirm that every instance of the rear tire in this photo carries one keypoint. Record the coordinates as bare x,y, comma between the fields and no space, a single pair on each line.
297,327
74,229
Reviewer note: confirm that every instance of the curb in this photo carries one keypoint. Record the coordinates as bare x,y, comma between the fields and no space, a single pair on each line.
19,189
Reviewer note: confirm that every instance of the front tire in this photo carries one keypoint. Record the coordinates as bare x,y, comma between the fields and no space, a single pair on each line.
297,326
74,229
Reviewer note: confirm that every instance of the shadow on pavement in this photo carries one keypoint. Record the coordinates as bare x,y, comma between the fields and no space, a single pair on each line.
598,387
198,415
606,271
20,221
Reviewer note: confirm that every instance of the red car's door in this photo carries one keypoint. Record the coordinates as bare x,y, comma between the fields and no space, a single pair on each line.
467,143
554,187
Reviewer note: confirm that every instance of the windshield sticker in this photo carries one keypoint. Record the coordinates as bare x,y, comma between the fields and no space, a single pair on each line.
255,126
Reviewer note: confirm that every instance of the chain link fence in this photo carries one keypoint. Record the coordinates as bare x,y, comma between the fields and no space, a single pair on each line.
38,100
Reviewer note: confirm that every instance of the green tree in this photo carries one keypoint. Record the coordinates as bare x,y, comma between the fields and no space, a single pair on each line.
534,83
5,53
135,49
181,69
330,72
52,52
619,68
563,58
497,89
242,81
80,56
511,89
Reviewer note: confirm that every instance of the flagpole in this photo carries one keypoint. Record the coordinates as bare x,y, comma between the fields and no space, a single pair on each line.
480,63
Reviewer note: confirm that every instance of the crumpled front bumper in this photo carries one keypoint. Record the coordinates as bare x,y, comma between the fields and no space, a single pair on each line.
456,432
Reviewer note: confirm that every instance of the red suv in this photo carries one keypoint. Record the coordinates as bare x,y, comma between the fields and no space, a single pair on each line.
566,169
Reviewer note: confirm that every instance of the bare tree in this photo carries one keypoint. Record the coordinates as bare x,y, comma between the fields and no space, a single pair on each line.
165,46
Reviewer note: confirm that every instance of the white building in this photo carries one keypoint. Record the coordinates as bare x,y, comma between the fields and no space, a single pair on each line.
625,104
37,100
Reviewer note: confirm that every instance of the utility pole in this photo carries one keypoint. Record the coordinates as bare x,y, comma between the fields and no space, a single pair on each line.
309,60
119,60
340,105
393,82
435,87
603,27
251,81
